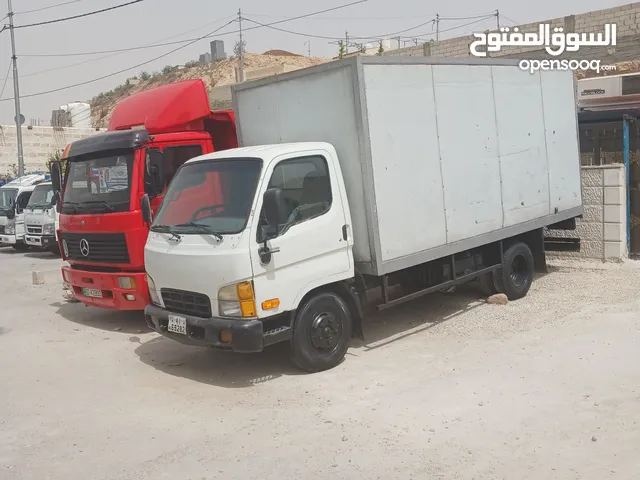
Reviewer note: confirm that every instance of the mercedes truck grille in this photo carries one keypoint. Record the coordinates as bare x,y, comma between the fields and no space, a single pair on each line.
96,247
34,229
187,303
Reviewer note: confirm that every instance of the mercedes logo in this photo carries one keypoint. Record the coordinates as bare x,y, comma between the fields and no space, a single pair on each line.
84,247
65,248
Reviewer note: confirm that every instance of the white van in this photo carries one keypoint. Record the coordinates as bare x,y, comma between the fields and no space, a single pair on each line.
41,218
14,197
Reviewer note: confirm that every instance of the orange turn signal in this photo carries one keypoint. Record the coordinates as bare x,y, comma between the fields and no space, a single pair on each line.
271,304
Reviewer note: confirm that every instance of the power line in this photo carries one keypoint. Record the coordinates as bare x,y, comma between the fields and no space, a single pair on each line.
338,38
91,60
391,34
174,50
511,20
47,8
119,71
79,16
456,27
78,54
6,78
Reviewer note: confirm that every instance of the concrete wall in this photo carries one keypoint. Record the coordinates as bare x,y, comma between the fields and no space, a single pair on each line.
603,228
627,18
37,142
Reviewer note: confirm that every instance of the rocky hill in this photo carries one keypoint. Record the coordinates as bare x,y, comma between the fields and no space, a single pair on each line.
213,74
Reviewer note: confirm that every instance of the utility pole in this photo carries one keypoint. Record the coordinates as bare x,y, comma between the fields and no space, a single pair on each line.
241,54
346,42
437,27
399,46
498,19
16,92
308,43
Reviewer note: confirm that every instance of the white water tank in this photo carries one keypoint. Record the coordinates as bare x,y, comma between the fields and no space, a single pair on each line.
79,112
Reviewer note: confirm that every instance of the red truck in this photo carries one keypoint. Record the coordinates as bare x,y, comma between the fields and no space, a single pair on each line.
102,233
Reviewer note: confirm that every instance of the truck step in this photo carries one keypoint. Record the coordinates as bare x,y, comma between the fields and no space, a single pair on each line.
277,335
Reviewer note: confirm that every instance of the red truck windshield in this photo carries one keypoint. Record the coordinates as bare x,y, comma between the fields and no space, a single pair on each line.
99,183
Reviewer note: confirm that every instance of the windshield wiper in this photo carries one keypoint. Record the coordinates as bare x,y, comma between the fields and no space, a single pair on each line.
203,228
161,228
101,202
75,205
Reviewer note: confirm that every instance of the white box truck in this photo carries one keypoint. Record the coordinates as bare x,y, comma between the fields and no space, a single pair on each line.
363,173
14,198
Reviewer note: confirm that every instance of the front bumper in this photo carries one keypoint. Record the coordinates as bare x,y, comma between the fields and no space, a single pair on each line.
8,240
247,336
113,297
43,241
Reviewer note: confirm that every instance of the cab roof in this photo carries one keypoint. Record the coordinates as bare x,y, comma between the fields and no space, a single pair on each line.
266,152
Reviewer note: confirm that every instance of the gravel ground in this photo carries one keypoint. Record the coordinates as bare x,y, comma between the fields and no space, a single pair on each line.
444,387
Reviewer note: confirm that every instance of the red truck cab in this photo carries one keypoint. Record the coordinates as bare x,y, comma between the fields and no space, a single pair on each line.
102,233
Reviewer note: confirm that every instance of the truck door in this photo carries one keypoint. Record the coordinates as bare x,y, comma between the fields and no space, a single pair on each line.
312,246
21,203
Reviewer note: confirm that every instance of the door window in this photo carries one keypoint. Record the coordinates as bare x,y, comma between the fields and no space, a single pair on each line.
306,190
174,157
23,200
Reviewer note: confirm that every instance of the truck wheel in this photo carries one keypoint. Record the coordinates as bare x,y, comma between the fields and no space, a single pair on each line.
515,277
487,285
321,333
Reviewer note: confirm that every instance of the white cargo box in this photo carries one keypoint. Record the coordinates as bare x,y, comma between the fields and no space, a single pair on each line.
438,155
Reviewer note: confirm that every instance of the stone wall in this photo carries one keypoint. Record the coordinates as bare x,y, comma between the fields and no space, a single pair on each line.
603,228
37,143
626,17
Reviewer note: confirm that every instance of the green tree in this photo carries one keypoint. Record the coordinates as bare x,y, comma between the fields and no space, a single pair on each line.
341,49
380,48
240,47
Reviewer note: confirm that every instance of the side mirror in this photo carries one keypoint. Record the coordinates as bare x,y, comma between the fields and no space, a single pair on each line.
275,209
11,214
154,173
145,206
56,176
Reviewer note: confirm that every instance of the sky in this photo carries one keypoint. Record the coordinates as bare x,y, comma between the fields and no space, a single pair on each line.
161,21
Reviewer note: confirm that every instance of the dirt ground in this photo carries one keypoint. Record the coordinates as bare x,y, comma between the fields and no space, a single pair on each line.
448,387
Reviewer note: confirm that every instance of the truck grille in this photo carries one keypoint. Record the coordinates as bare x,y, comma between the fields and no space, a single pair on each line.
96,247
187,303
34,229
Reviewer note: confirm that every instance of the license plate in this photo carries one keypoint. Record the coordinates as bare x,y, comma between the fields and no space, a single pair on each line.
177,324
92,292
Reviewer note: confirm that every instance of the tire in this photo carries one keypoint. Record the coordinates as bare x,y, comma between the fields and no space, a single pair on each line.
487,285
311,349
515,276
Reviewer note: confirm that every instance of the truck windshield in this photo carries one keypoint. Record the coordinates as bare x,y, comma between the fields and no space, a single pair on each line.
99,183
209,197
41,197
7,199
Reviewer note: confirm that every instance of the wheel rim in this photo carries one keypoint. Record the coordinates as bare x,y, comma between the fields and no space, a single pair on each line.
326,331
519,271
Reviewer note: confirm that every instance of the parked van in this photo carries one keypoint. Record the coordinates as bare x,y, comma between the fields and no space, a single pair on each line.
14,198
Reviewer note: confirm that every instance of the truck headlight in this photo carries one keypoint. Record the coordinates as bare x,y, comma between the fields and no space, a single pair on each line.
153,293
127,283
10,228
237,301
49,229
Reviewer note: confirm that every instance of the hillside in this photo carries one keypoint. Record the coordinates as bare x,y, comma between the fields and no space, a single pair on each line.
213,74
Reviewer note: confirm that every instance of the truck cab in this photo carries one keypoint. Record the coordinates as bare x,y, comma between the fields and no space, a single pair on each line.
102,233
41,218
14,198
